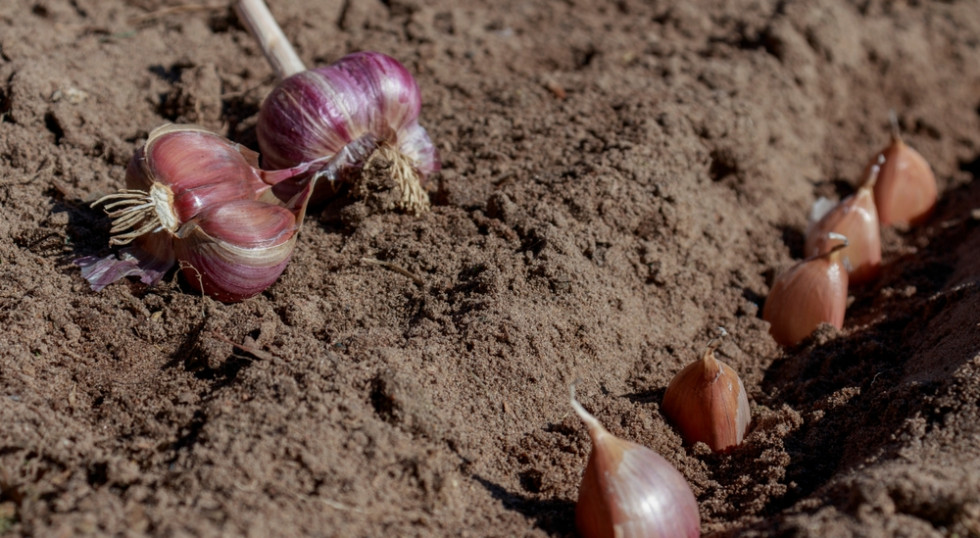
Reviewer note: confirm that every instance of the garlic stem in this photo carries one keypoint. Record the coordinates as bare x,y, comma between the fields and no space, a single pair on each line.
893,121
715,342
873,171
711,365
595,427
255,15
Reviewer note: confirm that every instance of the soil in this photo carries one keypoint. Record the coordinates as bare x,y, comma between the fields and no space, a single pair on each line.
619,179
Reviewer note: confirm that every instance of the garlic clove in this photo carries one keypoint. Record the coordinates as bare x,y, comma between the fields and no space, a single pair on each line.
856,218
905,193
707,402
630,491
245,223
255,245
199,167
811,292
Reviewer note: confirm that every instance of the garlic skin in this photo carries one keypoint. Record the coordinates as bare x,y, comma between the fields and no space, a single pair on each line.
811,292
316,113
257,242
707,402
630,491
196,199
856,218
905,192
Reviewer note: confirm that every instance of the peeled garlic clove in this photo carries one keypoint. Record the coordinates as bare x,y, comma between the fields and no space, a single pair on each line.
821,206
255,245
856,218
811,292
630,491
316,113
905,193
707,402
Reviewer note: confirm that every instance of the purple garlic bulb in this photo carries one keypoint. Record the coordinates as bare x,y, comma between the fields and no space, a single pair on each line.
199,201
365,96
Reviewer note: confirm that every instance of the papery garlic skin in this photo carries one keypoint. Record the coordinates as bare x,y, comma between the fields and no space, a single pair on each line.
257,242
196,199
630,491
905,193
812,292
856,218
316,113
200,169
707,402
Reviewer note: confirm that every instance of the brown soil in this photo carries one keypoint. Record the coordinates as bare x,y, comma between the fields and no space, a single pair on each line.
620,178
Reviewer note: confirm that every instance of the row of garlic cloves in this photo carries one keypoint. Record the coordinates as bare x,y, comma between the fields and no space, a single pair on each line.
630,491
843,245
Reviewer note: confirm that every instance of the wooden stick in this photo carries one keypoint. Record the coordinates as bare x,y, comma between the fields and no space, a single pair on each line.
255,15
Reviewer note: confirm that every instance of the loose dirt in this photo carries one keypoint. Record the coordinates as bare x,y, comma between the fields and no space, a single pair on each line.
619,179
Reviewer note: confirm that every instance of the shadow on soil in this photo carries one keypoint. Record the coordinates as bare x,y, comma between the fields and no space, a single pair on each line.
554,516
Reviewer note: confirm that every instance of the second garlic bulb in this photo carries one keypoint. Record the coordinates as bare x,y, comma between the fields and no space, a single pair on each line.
317,113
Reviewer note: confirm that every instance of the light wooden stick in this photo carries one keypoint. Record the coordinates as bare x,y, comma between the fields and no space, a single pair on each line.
255,15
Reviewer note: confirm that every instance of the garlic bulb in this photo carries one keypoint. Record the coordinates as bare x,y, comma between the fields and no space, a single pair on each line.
234,250
856,218
707,402
905,192
196,199
811,292
630,491
316,113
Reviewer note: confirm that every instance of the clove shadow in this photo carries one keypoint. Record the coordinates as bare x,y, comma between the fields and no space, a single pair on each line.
237,111
219,369
553,516
755,297
856,396
85,234
794,239
647,396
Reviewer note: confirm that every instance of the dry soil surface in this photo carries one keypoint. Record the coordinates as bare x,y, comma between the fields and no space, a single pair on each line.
619,179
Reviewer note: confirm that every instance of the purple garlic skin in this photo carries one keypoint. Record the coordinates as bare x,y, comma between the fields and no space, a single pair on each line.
198,200
317,113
